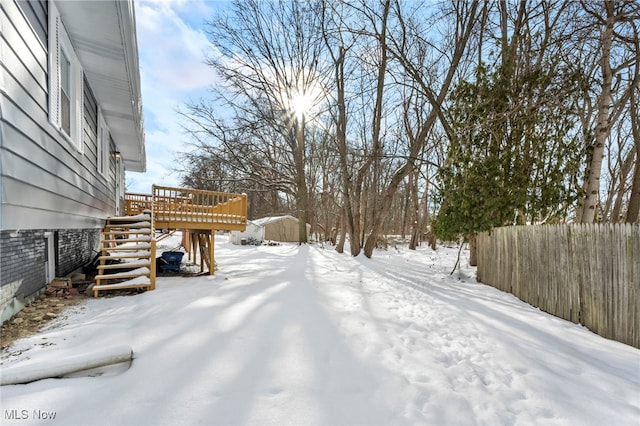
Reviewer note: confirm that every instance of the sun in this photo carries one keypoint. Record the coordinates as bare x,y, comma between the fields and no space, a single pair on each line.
301,104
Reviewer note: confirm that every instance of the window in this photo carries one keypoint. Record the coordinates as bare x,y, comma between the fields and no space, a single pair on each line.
103,145
65,82
65,94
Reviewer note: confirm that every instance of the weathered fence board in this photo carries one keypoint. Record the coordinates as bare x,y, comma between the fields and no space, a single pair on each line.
585,273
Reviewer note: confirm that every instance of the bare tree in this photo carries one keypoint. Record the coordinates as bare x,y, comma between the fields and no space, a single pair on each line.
612,18
339,41
408,48
269,57
633,208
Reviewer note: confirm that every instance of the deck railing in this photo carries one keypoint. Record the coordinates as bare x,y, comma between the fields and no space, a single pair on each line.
136,203
191,208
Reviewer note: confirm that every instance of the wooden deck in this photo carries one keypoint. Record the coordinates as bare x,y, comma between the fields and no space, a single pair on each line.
197,213
193,209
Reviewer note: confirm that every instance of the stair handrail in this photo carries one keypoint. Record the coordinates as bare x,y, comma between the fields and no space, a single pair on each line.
152,275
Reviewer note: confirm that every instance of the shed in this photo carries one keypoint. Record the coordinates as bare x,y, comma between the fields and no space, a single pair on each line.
273,228
253,230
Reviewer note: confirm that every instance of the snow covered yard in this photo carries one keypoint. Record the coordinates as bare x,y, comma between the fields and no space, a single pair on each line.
303,335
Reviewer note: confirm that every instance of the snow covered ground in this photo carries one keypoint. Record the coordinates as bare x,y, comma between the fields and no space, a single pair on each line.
303,335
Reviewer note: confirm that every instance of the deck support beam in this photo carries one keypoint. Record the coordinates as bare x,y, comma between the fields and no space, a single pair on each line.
212,241
203,242
152,276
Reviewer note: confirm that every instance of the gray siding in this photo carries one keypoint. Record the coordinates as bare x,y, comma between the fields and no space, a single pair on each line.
47,183
36,13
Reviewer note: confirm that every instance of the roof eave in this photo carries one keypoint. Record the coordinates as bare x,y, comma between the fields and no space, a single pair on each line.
103,34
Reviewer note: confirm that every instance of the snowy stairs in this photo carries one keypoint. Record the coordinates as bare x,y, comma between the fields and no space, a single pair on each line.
127,240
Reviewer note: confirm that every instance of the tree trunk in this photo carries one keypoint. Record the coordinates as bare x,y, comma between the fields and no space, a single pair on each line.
618,196
406,212
415,210
473,250
351,205
602,125
425,219
342,235
376,150
302,198
633,209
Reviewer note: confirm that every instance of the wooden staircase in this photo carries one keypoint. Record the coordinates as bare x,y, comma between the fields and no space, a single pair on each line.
130,240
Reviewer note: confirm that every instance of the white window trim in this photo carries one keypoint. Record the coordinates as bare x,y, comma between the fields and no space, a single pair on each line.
103,145
59,41
120,184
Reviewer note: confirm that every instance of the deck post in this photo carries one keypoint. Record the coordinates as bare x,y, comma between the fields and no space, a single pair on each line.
152,275
212,241
186,243
194,244
200,241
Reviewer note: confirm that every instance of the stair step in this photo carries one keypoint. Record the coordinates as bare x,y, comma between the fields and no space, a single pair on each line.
126,238
133,283
129,232
128,274
136,247
125,255
129,225
141,216
134,264
144,239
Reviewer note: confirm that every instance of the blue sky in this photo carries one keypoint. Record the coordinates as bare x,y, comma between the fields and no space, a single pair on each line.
172,46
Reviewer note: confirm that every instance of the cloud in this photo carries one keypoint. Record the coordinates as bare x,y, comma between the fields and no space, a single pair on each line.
172,50
172,46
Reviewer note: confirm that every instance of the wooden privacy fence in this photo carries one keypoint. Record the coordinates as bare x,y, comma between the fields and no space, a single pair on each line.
587,273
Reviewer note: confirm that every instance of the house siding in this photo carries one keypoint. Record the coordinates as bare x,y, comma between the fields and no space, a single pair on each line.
46,183
35,11
41,170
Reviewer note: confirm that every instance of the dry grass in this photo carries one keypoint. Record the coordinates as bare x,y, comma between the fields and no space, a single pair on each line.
34,317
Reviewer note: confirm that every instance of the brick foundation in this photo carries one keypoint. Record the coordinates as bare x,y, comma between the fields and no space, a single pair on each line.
22,262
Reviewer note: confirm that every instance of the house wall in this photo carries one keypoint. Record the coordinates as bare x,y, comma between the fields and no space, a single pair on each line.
74,248
22,262
22,269
35,11
47,184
